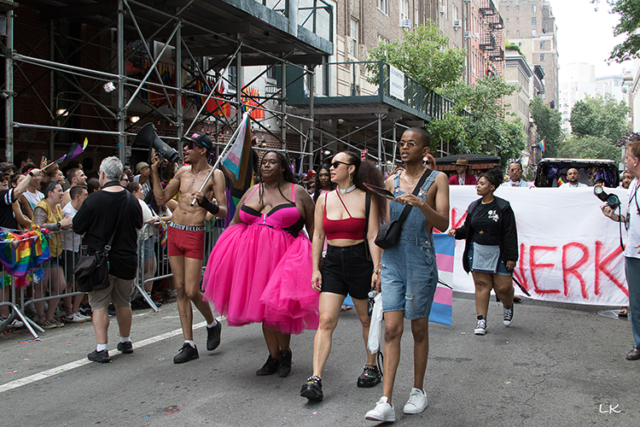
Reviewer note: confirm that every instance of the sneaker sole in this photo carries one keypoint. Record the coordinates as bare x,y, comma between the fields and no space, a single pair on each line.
311,395
368,385
507,323
415,411
185,361
479,331
376,418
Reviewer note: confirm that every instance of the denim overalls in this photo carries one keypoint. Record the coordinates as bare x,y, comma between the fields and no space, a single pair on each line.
409,270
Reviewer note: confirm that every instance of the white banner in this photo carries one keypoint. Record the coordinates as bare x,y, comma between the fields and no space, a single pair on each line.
396,83
568,250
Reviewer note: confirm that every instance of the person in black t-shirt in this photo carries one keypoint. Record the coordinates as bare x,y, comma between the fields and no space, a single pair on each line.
97,219
491,248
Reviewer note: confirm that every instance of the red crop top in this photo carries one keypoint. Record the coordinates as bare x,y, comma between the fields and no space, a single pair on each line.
350,228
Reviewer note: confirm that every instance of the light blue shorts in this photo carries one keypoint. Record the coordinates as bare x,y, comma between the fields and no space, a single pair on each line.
409,278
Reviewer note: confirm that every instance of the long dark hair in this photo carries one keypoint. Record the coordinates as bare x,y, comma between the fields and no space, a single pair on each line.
318,188
369,173
287,173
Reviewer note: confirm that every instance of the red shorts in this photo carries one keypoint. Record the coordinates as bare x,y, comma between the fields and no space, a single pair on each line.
187,243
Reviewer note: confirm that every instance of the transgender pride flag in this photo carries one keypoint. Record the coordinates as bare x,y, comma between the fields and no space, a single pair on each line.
441,309
240,148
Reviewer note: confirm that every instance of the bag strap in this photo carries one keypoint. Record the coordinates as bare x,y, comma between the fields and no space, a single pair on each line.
366,225
107,247
405,211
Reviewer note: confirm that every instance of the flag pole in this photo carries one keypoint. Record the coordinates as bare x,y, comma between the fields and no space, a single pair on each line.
220,157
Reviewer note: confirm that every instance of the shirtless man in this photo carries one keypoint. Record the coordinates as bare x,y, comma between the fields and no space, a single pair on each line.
186,235
409,272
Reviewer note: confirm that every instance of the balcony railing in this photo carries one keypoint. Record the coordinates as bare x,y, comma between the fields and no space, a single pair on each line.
369,81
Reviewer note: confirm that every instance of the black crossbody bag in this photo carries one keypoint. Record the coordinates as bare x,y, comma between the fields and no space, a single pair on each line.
389,233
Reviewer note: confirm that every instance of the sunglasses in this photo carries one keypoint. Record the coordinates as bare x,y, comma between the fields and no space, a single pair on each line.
338,163
125,179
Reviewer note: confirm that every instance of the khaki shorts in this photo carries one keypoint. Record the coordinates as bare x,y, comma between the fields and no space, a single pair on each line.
118,292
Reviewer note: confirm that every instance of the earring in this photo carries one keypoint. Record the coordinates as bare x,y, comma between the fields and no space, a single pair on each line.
350,178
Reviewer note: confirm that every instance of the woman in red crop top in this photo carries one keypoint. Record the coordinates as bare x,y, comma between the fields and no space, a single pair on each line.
341,217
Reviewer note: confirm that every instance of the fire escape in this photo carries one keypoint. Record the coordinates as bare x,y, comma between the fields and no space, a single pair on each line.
492,25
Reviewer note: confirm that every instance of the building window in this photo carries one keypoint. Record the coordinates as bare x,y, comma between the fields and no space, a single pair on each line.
353,45
533,8
541,45
383,6
534,33
404,10
507,8
517,8
534,20
271,72
507,33
517,20
546,26
542,57
507,20
517,32
454,11
233,79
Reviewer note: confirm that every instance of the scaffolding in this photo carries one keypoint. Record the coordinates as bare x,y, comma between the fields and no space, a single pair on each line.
113,66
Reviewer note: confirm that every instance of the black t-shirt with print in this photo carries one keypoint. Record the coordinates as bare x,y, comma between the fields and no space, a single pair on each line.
7,218
484,220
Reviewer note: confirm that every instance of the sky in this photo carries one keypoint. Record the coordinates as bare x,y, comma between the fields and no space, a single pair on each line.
585,35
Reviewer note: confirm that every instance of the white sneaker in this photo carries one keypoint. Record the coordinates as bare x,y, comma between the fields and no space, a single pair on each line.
382,412
417,402
481,327
83,317
16,324
75,318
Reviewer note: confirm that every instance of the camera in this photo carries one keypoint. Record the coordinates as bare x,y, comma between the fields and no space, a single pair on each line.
610,199
148,137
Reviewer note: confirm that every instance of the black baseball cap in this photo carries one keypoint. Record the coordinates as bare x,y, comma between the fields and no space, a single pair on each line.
200,139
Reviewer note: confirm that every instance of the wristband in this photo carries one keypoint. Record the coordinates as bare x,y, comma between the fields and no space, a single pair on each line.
31,174
208,205
58,225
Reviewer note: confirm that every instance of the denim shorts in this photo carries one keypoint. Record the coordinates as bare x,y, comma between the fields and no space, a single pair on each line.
346,269
149,252
409,277
500,271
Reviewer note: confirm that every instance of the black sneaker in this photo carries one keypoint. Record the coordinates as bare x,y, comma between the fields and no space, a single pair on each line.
213,336
507,316
370,376
125,347
186,354
99,356
269,368
285,364
312,389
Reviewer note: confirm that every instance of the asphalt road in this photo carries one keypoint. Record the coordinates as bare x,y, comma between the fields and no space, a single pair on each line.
557,365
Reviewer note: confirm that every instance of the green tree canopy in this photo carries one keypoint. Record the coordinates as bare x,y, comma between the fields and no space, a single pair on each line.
424,54
549,126
487,131
589,147
600,116
629,11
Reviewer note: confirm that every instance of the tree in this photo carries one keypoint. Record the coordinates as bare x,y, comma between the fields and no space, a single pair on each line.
423,53
549,126
486,131
629,11
600,116
589,147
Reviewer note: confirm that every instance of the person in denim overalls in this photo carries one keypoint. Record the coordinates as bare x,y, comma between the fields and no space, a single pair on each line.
409,271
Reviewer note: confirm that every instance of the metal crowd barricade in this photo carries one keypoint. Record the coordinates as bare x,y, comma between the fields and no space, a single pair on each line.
162,268
9,297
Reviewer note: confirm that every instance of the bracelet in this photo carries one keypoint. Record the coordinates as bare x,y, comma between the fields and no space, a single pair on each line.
58,225
376,271
31,174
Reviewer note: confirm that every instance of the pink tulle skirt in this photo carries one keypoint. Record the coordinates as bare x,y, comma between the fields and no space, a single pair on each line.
262,274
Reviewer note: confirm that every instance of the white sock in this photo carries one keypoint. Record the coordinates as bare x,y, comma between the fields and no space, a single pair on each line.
191,343
212,324
125,339
101,347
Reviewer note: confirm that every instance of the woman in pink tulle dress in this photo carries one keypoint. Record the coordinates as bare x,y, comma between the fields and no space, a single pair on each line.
260,268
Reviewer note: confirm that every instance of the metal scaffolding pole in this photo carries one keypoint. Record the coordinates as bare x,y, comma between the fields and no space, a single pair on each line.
179,111
122,110
312,90
239,82
8,78
379,140
283,119
52,84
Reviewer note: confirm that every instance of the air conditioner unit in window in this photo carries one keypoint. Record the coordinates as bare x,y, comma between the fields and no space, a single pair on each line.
443,9
457,23
405,23
467,34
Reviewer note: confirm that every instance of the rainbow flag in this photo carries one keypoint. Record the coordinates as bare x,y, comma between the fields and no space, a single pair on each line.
542,145
21,252
442,307
561,181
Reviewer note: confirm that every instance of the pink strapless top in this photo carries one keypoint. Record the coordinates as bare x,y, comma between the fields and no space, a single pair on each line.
285,216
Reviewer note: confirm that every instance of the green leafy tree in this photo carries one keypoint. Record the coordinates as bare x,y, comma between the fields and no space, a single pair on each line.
629,11
423,53
589,147
600,116
549,126
486,131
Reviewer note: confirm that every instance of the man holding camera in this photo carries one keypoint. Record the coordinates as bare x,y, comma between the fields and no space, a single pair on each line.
631,252
186,234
